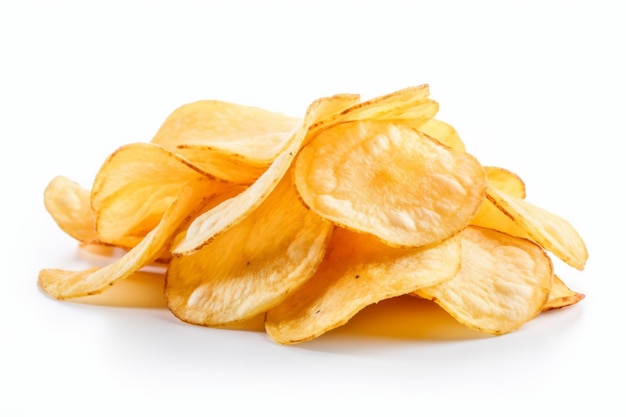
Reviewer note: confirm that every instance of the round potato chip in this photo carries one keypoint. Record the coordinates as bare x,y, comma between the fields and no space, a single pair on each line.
503,283
358,270
391,181
252,266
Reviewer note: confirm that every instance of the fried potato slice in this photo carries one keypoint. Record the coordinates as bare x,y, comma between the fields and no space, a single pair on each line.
227,214
391,181
358,270
251,267
489,215
256,135
69,205
136,184
63,284
411,105
503,283
553,232
443,133
561,296
219,164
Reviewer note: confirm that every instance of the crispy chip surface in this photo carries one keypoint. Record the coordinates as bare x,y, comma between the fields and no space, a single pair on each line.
252,266
388,180
552,232
62,284
503,283
358,270
561,296
256,135
213,222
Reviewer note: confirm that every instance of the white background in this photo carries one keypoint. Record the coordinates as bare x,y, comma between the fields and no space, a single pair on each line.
537,87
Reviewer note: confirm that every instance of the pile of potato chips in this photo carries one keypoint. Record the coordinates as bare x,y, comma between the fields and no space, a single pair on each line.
308,221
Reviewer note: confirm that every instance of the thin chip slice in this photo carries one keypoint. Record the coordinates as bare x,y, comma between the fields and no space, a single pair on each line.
251,267
489,215
255,134
220,164
503,283
391,181
69,205
63,284
226,215
561,296
136,184
443,133
553,232
358,271
408,104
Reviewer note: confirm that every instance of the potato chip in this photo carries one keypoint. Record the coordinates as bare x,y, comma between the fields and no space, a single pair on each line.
443,133
256,135
561,296
503,283
391,181
136,184
489,215
552,232
358,270
219,219
69,205
62,284
252,266
410,105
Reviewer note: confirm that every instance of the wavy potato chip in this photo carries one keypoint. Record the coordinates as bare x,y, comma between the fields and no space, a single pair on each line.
254,134
503,283
219,219
443,133
390,181
561,296
552,232
252,266
358,270
136,184
62,284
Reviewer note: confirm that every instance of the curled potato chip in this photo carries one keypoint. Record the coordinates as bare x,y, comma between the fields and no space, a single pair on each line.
553,232
136,184
69,205
391,181
489,215
252,266
219,219
410,105
443,133
561,296
358,270
62,284
503,283
256,135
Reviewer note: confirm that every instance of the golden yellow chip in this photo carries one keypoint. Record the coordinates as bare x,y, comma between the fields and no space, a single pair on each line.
443,133
62,284
409,105
256,135
358,270
69,205
390,181
552,232
561,296
503,283
489,215
226,215
136,184
252,266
